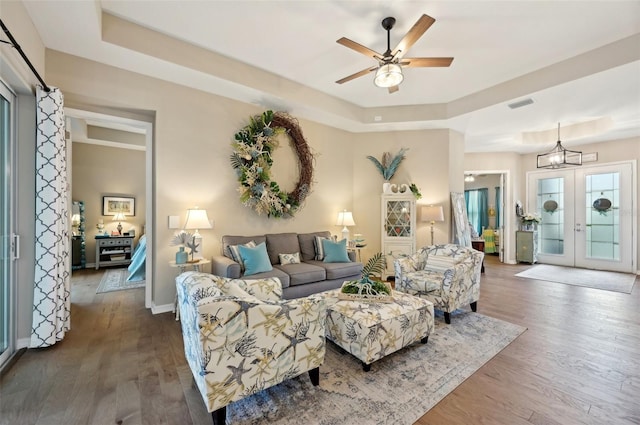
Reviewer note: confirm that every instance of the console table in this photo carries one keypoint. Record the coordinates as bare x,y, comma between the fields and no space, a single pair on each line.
113,250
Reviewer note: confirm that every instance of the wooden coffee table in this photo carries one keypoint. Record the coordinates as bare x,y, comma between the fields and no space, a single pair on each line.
371,330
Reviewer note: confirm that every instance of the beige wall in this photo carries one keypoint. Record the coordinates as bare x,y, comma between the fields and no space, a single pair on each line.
193,135
99,171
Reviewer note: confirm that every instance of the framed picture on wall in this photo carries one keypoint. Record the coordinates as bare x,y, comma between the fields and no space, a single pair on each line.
112,205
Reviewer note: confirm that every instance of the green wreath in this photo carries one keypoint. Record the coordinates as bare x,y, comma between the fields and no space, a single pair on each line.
251,158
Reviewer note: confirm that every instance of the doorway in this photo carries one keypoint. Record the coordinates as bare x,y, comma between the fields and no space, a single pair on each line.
115,140
495,216
587,216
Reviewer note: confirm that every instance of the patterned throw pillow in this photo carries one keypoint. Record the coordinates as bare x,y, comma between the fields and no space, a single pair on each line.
441,263
235,253
317,243
289,258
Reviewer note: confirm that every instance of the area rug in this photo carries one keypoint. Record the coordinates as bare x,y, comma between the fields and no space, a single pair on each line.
116,280
399,389
596,279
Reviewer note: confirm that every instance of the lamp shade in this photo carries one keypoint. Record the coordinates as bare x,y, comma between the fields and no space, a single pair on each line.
345,218
388,75
197,219
119,217
432,213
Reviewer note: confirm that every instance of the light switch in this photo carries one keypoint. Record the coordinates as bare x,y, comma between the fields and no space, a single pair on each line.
174,222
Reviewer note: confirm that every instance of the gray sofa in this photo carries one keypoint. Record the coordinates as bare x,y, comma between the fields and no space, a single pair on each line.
298,280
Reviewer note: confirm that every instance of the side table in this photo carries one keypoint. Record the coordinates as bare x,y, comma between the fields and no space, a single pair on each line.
478,245
183,268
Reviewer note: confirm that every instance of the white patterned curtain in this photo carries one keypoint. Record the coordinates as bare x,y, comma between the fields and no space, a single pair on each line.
51,302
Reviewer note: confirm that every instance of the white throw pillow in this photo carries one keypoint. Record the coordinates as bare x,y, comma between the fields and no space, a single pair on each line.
289,258
440,262
317,243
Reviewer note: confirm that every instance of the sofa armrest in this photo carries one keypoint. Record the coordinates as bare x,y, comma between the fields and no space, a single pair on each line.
267,289
409,264
225,267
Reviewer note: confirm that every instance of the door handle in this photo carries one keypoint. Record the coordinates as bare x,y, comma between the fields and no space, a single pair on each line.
577,229
15,246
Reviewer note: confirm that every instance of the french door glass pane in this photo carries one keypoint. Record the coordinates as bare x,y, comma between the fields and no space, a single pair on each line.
5,253
550,207
602,200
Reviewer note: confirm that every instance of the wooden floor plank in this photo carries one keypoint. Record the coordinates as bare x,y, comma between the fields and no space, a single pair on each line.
577,363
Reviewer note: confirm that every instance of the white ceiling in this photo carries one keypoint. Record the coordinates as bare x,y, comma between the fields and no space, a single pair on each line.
578,60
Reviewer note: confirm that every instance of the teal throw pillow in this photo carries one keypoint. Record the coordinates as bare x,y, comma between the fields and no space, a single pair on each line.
256,260
335,252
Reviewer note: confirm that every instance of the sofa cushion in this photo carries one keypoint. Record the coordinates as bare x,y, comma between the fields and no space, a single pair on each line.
335,252
255,259
289,258
339,270
284,278
281,243
307,245
303,273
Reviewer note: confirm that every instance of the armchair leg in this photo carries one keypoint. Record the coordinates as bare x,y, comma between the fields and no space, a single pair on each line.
447,318
219,416
314,374
474,306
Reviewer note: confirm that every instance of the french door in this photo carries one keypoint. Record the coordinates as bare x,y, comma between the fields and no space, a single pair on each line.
7,316
587,216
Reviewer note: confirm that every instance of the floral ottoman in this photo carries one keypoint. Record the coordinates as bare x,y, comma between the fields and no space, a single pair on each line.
372,330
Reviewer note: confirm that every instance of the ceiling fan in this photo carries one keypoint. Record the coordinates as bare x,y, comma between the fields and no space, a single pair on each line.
390,64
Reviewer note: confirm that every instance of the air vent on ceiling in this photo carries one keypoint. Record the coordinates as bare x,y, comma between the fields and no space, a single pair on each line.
520,103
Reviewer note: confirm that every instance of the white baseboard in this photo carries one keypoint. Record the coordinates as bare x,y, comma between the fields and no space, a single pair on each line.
23,343
159,309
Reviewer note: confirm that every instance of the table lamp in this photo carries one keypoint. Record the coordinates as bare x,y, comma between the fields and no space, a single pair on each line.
345,218
432,213
197,219
119,217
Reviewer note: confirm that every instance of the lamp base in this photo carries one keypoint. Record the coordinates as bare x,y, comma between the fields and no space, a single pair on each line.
345,234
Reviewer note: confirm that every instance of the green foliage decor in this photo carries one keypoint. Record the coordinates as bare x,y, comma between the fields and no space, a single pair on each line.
252,161
374,266
389,165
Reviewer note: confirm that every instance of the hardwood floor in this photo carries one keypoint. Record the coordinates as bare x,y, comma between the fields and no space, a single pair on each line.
578,362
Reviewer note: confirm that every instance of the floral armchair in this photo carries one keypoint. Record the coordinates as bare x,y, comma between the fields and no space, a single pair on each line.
240,337
447,275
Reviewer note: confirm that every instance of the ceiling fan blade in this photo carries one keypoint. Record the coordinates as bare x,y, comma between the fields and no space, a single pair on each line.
413,35
425,62
359,48
356,75
394,89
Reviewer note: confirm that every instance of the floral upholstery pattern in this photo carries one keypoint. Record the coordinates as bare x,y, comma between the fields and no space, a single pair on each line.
240,337
447,288
371,330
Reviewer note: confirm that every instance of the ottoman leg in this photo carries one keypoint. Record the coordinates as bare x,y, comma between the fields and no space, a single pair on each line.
447,318
219,416
366,366
425,339
474,306
314,374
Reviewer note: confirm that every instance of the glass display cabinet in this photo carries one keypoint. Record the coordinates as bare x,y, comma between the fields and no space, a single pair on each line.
398,227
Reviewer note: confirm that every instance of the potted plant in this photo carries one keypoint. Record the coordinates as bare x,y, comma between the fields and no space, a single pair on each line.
368,288
530,221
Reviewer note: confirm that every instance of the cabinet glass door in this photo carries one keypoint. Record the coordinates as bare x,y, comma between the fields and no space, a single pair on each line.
398,220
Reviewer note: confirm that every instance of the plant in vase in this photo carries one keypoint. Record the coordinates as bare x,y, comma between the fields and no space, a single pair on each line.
530,221
367,288
388,166
181,239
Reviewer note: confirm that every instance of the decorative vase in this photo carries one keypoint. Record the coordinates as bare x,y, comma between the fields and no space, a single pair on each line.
181,256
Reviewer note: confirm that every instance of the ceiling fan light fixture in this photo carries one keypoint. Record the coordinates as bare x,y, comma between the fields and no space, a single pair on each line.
388,75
